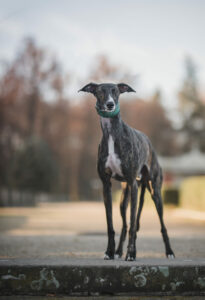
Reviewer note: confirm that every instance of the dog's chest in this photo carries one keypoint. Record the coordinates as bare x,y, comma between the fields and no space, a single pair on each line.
113,162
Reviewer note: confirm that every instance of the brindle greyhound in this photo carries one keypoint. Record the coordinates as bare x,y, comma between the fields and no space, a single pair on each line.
126,155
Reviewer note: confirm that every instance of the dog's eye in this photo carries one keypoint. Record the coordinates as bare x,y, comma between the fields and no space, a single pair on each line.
113,91
101,94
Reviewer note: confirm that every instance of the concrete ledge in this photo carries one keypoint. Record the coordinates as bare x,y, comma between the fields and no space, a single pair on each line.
83,277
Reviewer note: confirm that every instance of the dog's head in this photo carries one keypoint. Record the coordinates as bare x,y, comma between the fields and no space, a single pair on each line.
107,94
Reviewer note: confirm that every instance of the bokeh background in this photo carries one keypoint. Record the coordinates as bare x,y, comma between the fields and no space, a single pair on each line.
49,134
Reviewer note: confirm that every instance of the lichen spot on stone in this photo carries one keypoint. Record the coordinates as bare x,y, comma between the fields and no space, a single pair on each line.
164,271
7,277
86,280
47,277
200,282
153,270
140,280
173,286
132,270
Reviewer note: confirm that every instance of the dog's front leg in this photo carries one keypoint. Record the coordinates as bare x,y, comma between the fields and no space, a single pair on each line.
110,252
131,249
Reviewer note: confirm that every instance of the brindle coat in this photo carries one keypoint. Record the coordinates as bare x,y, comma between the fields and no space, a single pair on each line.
139,167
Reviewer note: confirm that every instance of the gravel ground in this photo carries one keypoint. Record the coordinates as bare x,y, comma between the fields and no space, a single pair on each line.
78,230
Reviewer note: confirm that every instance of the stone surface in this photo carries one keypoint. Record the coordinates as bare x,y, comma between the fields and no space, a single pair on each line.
97,277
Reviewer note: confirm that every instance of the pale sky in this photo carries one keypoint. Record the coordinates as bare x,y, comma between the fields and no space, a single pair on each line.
148,38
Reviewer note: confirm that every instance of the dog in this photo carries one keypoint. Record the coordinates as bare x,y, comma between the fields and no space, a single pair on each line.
126,155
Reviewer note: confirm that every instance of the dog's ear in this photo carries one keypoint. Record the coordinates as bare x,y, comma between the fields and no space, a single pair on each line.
125,88
89,88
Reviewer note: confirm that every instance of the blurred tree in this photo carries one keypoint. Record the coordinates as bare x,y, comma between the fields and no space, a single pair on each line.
26,85
54,121
192,109
103,70
34,168
88,156
41,77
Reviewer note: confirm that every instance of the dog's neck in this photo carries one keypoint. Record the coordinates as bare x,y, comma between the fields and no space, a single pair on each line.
111,125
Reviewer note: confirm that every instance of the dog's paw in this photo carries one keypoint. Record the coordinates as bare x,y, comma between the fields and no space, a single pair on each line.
131,253
130,257
118,254
108,257
171,256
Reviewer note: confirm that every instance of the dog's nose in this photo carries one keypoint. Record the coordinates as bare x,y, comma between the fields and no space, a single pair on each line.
110,105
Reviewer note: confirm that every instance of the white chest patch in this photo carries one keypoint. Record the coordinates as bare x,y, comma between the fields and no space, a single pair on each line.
106,123
113,162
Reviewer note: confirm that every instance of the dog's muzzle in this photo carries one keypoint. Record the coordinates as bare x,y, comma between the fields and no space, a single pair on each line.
110,105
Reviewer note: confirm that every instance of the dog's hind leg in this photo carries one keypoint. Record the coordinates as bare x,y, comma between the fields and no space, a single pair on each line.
141,203
123,208
157,198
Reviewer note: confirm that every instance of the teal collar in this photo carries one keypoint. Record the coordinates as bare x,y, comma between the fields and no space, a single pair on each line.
108,114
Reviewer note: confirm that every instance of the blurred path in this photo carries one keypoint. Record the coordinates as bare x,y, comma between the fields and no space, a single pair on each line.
74,230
